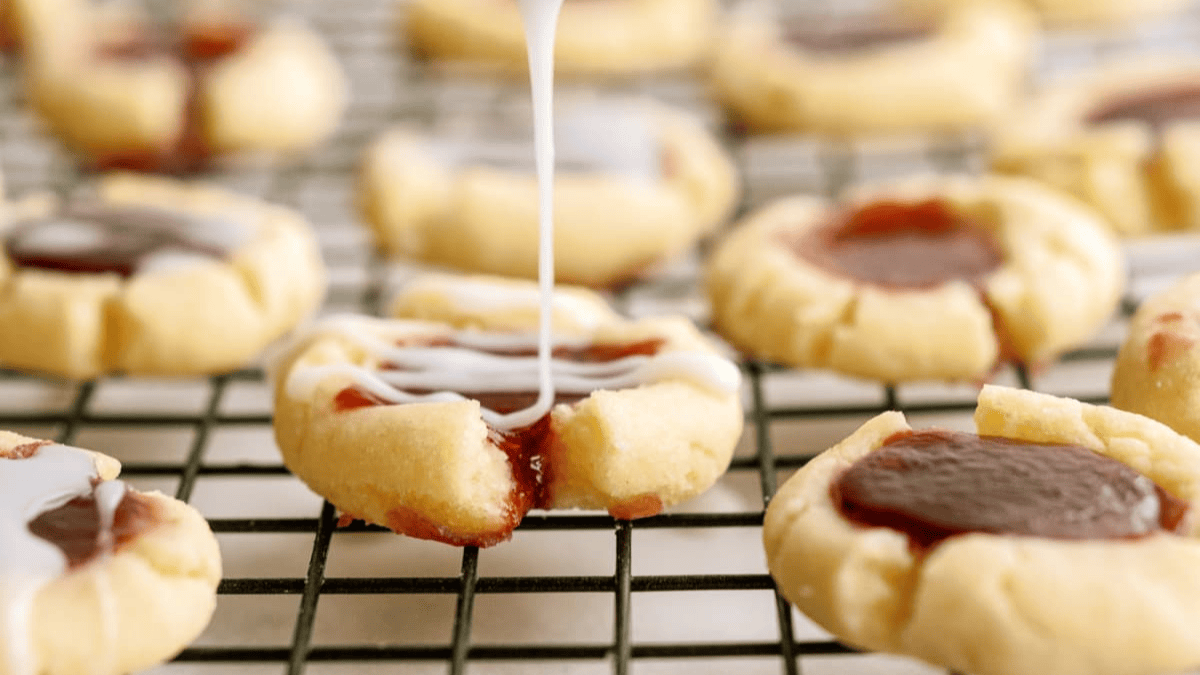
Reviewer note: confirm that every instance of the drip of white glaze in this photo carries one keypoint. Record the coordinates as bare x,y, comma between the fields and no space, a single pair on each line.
29,487
541,18
466,365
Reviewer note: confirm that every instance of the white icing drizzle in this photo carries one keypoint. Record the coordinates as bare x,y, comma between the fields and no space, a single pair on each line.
465,367
29,487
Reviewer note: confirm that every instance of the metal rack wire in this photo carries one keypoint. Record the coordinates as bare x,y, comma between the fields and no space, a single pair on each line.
295,553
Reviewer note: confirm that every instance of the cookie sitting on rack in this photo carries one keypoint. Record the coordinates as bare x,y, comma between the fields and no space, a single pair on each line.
636,183
883,74
151,277
96,577
594,38
1124,139
931,279
1061,539
1157,373
217,84
425,425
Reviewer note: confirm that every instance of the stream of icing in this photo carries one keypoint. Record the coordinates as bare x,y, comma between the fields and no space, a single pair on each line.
49,478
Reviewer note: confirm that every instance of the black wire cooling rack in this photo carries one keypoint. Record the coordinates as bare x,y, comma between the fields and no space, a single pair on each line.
684,592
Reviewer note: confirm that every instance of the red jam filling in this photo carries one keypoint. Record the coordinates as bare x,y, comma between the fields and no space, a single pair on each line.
933,485
530,449
1156,107
121,240
74,527
854,37
900,245
199,46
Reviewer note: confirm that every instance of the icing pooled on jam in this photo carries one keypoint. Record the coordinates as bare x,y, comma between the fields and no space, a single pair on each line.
936,484
55,515
122,240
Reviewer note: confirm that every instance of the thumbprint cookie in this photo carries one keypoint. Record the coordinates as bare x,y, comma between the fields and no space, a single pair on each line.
1059,538
929,279
148,276
957,70
96,577
594,38
1157,373
1125,140
176,98
438,427
636,183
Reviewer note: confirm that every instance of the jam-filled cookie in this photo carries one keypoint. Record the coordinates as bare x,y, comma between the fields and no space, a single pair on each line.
933,279
96,577
434,429
1060,539
958,70
594,38
636,183
151,277
1157,373
1124,140
218,83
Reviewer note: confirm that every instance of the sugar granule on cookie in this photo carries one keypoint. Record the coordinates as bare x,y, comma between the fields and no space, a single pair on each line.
1061,538
95,576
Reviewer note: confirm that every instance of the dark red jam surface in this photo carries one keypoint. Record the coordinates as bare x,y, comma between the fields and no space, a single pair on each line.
198,46
530,449
1156,107
901,245
125,238
936,484
854,37
74,527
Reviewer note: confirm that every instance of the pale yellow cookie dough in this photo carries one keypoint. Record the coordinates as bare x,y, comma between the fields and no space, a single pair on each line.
1059,281
1071,13
992,604
598,37
194,319
1157,373
1141,180
608,226
133,609
434,469
965,74
281,91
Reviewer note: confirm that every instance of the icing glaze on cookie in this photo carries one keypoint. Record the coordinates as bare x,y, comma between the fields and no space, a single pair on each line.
900,245
450,363
933,485
1156,106
122,240
38,485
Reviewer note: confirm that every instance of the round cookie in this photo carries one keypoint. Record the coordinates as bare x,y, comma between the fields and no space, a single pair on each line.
126,99
647,413
151,277
1059,584
1157,373
594,38
1125,140
1068,13
937,279
636,183
962,69
96,577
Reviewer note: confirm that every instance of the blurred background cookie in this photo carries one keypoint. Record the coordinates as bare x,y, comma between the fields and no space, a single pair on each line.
874,73
151,277
217,80
636,183
598,37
